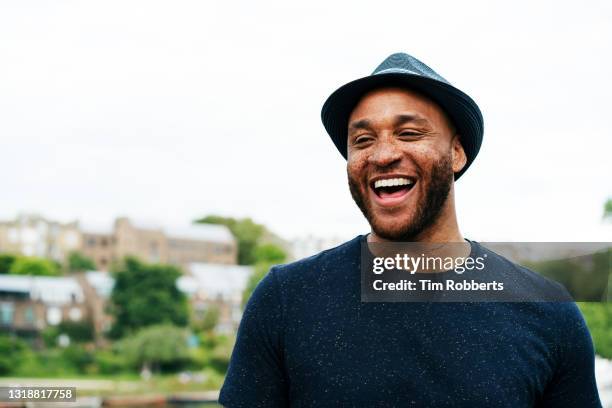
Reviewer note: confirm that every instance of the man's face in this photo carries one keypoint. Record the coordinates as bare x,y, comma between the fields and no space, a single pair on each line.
402,155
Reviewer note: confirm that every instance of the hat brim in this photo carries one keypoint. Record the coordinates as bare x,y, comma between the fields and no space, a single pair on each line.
460,108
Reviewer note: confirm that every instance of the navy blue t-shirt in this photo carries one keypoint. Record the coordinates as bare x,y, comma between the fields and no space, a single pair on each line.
306,339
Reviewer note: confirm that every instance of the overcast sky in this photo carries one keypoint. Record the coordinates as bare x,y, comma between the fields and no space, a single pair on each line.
171,110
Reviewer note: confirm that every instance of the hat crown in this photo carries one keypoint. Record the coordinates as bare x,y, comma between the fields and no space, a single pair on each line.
403,70
404,63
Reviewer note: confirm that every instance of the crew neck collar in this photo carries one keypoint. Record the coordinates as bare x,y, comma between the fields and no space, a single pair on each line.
474,250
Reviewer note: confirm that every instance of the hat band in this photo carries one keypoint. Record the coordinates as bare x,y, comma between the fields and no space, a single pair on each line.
397,70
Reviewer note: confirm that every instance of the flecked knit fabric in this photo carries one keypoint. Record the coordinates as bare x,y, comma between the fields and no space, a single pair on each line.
306,340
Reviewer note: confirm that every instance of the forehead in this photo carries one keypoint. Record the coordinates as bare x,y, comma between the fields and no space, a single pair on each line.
390,101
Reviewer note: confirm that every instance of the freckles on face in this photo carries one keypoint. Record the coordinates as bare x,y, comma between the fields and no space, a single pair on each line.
396,138
389,123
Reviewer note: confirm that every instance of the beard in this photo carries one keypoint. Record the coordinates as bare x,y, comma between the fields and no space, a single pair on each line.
427,209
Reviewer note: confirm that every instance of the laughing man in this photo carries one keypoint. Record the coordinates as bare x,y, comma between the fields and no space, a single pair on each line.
306,339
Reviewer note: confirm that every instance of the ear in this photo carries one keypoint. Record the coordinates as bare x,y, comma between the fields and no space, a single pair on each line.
458,154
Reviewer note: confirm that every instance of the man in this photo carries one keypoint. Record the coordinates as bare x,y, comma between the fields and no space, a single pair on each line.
307,339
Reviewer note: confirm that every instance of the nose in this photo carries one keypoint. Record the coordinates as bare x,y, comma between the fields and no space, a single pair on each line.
385,154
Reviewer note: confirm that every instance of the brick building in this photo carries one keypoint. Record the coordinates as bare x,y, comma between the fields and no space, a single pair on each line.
33,235
154,244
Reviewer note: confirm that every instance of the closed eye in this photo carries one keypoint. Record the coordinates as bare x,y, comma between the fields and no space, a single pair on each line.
410,134
362,139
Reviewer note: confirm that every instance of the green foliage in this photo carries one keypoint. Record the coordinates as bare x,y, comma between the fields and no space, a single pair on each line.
11,352
220,355
608,209
78,357
144,295
6,261
209,320
77,262
34,266
82,331
598,317
270,253
46,363
73,360
109,362
160,347
49,336
214,352
78,332
585,277
246,232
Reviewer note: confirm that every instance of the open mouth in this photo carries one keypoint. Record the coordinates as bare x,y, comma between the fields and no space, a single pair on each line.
391,191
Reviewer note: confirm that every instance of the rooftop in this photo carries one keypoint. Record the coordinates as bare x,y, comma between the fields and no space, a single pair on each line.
215,279
47,289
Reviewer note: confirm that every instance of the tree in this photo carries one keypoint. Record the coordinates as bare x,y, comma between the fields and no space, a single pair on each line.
246,232
77,262
6,261
608,210
598,317
34,266
144,295
270,253
159,347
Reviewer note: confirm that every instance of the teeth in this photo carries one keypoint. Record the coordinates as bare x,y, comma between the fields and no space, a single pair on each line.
392,182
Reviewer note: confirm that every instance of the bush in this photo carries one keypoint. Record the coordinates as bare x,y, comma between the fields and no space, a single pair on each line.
77,262
6,261
214,352
78,357
47,363
79,332
109,362
220,358
49,336
206,321
11,352
161,347
34,266
598,317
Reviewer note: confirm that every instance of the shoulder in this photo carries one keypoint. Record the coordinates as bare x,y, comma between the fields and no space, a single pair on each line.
294,281
524,283
329,260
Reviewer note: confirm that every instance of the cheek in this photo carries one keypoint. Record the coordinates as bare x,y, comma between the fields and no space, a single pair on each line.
356,167
425,155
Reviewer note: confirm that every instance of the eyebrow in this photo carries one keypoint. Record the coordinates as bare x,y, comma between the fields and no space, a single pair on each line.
399,120
360,124
403,118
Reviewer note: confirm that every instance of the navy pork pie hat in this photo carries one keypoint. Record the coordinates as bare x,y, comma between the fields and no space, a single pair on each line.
404,70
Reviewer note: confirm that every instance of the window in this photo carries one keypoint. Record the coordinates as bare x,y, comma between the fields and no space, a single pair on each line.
28,315
54,315
75,314
72,239
13,235
153,252
7,310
